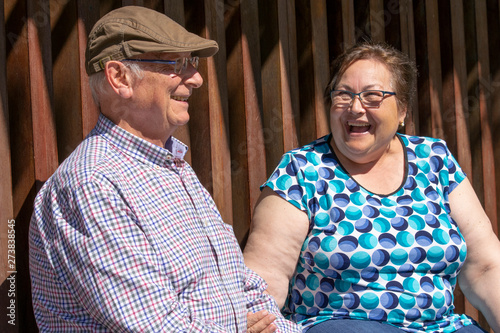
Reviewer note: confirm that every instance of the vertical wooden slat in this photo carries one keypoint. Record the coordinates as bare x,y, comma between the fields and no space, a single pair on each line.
348,24
271,88
494,39
306,70
288,72
7,239
435,80
321,67
43,126
217,92
460,85
237,119
44,131
460,106
87,16
22,155
253,95
485,88
252,90
485,91
5,177
408,46
377,20
448,95
66,57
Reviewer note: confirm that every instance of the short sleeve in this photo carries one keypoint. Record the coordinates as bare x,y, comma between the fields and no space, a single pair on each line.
449,171
288,181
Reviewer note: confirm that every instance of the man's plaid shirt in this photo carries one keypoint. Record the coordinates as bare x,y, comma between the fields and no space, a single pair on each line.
125,238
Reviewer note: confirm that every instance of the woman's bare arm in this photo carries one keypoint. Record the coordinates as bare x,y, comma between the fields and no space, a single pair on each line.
276,236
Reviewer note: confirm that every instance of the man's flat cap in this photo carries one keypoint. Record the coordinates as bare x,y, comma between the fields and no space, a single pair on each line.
132,30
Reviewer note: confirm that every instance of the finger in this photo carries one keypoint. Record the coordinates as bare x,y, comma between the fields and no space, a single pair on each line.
264,325
254,318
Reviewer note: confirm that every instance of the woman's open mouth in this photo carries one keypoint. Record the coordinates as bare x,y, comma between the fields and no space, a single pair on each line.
356,127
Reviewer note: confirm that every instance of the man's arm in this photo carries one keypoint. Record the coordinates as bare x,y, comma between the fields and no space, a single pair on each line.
107,264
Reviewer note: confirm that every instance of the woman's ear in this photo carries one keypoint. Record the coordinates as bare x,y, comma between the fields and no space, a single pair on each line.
118,77
402,115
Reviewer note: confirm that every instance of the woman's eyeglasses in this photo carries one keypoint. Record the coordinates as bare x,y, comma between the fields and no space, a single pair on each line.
369,98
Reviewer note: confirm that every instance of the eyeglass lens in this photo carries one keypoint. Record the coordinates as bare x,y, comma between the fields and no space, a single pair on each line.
369,98
182,63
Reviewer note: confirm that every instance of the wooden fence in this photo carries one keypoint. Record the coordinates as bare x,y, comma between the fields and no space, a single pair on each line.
263,95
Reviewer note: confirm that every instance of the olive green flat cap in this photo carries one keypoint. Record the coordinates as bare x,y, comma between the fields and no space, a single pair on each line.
132,30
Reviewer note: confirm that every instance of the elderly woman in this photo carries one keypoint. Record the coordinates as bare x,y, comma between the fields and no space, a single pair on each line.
367,229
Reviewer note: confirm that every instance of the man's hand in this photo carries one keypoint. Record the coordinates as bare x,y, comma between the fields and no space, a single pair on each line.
261,322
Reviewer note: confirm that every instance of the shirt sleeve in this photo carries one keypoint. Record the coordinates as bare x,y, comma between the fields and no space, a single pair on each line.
258,300
289,182
105,261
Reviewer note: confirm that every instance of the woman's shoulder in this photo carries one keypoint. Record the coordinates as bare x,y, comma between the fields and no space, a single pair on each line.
320,145
419,139
424,144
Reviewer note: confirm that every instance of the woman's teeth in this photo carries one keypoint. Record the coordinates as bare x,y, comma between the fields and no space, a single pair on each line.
179,98
357,127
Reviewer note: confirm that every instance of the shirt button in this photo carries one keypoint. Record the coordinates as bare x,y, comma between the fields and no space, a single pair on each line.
169,157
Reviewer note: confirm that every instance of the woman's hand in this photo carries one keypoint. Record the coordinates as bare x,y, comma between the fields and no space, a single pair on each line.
260,322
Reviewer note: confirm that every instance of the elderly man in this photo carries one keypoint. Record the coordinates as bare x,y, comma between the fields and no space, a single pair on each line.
124,238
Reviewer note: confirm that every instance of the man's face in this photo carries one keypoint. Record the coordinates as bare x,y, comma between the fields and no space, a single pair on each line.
162,95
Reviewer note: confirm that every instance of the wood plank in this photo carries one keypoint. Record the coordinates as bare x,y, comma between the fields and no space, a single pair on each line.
446,61
66,56
485,91
408,46
461,110
434,58
306,71
377,20
288,72
87,16
271,78
494,39
250,54
460,86
218,108
321,66
6,213
41,88
237,120
7,238
348,24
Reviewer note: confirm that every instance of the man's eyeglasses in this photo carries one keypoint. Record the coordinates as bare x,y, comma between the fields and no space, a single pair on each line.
369,98
180,64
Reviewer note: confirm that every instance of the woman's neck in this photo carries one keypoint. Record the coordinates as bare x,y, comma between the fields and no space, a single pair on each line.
381,174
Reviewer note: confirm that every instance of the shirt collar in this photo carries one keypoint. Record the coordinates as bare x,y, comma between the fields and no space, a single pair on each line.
137,147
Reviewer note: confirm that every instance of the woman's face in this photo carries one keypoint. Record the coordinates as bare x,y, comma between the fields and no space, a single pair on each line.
363,134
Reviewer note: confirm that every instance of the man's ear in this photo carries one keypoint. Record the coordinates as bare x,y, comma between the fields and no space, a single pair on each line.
118,77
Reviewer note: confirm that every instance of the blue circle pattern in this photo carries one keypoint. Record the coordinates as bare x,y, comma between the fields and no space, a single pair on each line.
391,258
